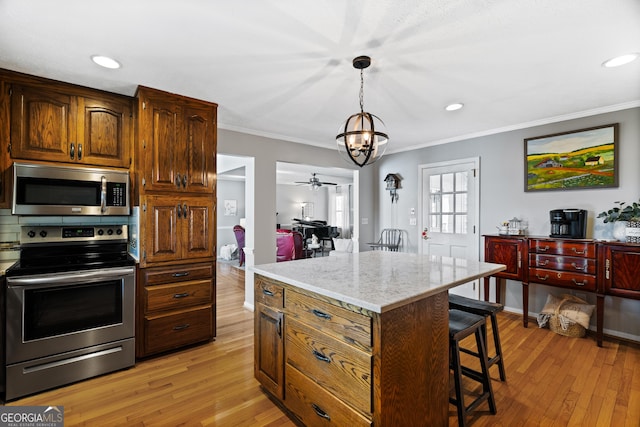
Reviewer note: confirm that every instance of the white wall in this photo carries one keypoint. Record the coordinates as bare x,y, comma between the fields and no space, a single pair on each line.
502,197
289,198
228,190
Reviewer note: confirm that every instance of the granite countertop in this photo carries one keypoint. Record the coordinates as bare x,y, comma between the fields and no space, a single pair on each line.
378,280
4,265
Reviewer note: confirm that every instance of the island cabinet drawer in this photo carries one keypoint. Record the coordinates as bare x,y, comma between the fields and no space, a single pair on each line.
269,293
339,368
586,282
178,295
315,406
564,263
346,325
178,328
563,247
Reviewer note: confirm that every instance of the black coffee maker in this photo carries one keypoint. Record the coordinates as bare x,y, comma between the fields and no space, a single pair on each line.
570,223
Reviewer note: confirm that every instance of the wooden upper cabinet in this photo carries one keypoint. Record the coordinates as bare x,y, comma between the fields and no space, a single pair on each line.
177,228
176,142
50,125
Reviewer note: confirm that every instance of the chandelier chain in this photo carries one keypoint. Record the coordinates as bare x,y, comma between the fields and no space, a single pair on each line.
361,92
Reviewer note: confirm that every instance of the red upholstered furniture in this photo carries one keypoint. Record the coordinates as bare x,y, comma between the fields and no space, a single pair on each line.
284,239
238,230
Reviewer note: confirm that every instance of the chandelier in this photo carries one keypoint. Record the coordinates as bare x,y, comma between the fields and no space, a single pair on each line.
363,138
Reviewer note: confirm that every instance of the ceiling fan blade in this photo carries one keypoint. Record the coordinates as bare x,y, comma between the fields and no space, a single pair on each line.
328,183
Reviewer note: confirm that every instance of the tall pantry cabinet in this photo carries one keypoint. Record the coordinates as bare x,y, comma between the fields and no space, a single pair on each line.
175,159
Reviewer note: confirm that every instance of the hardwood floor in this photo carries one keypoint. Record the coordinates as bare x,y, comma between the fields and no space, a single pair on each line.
551,380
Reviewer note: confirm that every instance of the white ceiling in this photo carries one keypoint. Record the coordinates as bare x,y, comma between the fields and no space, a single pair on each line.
282,68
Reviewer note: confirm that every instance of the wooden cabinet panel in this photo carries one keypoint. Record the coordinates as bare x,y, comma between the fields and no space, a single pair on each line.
584,282
269,294
43,124
510,251
51,125
317,407
568,247
269,349
620,270
178,295
161,275
345,325
177,142
339,368
177,227
170,330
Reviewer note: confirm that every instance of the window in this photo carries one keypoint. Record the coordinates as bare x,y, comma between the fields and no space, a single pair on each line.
448,195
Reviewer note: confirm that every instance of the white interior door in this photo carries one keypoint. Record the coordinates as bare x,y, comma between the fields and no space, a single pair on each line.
450,213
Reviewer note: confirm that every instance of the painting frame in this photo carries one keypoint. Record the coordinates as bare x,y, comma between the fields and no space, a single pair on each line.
574,160
230,207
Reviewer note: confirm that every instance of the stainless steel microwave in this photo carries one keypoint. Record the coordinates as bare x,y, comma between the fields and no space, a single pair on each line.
40,189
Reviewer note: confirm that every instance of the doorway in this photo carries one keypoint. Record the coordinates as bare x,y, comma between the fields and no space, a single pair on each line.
449,193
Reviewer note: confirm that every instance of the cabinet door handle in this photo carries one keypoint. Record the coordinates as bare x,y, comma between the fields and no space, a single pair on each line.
181,274
319,412
577,252
182,295
177,180
184,180
267,292
321,314
181,327
578,267
279,327
583,283
543,263
72,151
543,248
79,151
321,356
179,209
184,210
607,265
546,276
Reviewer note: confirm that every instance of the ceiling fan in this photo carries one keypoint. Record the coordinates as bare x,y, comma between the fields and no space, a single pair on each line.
315,182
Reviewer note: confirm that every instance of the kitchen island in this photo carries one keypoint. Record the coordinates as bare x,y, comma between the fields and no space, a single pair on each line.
365,336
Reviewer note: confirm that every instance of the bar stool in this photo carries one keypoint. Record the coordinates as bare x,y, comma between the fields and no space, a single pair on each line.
462,325
486,309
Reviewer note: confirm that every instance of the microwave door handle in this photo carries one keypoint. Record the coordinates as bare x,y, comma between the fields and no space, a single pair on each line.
103,195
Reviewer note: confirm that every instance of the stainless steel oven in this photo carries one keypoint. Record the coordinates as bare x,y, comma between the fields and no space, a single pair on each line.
70,305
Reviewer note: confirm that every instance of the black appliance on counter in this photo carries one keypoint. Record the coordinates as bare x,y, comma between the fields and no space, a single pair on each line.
568,223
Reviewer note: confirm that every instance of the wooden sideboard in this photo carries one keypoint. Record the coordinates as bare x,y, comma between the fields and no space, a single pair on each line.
584,265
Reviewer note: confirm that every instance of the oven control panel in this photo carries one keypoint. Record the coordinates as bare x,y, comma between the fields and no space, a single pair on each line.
72,233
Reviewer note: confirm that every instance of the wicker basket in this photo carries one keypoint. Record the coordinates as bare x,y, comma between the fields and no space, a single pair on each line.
574,330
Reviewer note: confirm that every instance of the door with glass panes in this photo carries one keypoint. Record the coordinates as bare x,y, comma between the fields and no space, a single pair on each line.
450,212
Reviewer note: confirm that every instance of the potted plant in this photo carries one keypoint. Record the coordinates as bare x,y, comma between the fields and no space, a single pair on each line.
620,216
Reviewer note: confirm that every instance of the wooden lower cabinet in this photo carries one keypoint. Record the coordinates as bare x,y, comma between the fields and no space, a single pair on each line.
176,307
333,363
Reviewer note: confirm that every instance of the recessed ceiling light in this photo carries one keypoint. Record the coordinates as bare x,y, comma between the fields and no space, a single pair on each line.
105,61
454,107
621,60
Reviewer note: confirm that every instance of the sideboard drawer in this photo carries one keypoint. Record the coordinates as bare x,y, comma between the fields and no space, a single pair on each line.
586,282
573,248
340,368
168,331
269,293
345,325
316,406
565,263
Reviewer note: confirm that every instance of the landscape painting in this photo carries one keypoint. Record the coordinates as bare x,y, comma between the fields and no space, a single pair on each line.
586,158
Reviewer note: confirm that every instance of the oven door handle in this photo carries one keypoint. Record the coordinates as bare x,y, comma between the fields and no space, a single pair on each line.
46,280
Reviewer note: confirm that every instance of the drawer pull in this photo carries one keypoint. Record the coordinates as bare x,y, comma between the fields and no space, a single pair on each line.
181,327
267,292
577,267
583,283
321,314
546,276
542,263
320,412
183,274
543,248
182,295
321,356
577,252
